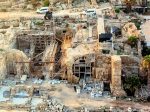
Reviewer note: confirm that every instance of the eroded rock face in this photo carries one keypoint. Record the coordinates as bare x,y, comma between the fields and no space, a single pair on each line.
8,61
130,29
8,39
55,105
13,59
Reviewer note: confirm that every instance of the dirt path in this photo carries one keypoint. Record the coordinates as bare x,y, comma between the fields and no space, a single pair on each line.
71,99
18,14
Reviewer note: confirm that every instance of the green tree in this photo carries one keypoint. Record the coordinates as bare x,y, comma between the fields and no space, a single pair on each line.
132,40
131,84
146,65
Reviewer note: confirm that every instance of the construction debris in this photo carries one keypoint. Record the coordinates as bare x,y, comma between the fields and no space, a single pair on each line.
74,61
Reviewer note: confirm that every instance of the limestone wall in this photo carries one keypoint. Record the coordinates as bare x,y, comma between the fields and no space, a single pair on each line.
8,38
3,70
103,68
130,65
116,85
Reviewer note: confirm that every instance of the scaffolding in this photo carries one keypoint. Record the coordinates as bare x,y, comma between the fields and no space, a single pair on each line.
40,40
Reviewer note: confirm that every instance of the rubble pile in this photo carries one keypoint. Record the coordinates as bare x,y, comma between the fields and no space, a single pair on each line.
85,46
6,24
50,105
8,38
130,29
55,105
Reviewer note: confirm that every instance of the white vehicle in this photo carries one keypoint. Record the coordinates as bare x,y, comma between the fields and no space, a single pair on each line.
90,12
42,10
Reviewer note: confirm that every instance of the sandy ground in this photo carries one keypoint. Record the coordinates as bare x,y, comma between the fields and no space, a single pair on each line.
67,95
70,98
14,15
11,111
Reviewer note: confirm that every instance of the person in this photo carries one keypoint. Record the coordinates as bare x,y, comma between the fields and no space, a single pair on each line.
48,15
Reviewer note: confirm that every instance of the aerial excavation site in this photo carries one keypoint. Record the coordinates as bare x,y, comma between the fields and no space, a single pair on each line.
74,55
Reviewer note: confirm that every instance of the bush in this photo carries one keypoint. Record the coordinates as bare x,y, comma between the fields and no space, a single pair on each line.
117,10
131,84
132,40
46,3
137,23
1,50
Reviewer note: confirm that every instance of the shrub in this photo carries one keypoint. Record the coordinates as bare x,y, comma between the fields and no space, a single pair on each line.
1,50
131,84
117,10
132,40
137,23
46,3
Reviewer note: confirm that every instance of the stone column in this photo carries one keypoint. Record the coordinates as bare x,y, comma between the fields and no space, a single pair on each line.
69,73
116,86
139,49
18,70
3,69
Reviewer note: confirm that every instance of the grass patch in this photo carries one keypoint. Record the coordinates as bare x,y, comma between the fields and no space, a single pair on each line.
1,50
